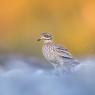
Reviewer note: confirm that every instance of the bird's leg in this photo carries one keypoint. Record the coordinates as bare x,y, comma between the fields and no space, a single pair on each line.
55,66
58,69
61,64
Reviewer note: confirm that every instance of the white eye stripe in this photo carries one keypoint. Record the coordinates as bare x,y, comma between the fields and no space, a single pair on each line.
44,38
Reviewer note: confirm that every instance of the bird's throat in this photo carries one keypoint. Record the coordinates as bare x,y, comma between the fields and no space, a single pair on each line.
48,41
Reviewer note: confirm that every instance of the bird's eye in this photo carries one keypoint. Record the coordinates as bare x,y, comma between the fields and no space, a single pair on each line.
47,36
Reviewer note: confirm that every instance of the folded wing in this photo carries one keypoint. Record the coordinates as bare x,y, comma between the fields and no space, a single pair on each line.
62,52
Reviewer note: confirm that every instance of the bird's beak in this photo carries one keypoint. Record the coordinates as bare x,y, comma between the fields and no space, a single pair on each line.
39,39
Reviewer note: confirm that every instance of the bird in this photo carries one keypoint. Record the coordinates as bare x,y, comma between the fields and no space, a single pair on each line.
57,55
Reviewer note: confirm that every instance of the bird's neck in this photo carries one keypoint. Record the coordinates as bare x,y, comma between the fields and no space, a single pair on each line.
48,41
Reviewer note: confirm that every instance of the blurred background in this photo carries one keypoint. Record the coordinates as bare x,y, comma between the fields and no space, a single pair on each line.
71,21
22,69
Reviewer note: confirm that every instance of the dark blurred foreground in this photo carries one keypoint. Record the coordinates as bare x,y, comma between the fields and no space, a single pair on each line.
30,76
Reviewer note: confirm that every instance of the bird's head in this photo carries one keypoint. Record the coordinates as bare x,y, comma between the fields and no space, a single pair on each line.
46,37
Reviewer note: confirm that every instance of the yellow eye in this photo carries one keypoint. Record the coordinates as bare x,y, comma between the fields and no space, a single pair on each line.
47,36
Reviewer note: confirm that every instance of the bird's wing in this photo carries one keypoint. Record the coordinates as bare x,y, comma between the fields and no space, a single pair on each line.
62,52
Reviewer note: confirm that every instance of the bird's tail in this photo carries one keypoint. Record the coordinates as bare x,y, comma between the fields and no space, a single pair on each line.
69,64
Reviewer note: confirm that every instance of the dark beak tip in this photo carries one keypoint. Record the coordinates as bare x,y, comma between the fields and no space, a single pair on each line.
38,39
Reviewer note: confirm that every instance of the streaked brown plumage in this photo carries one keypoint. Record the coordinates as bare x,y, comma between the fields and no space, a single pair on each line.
57,55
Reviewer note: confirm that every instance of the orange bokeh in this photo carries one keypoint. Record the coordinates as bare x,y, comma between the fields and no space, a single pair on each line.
72,22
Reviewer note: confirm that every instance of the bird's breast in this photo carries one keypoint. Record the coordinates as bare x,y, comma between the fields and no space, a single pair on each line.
48,52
